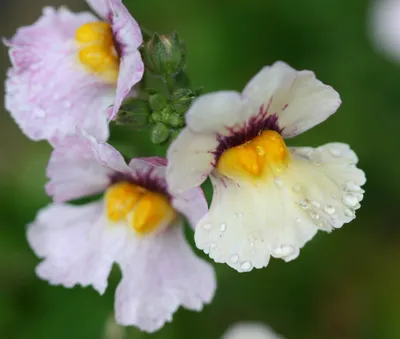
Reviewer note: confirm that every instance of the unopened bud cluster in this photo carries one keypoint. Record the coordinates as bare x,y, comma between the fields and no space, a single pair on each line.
163,109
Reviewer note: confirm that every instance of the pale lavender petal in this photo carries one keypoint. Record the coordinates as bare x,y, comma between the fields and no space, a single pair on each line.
76,244
80,166
155,280
48,92
128,38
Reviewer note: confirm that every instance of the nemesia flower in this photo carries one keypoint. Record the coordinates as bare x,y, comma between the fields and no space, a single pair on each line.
384,26
137,224
250,330
269,200
69,68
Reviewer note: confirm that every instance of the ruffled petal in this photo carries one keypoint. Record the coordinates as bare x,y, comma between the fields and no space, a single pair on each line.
76,244
80,166
247,223
48,92
297,97
250,330
190,160
130,73
216,112
155,280
128,38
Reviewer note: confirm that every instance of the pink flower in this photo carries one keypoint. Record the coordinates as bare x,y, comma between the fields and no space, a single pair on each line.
69,68
138,224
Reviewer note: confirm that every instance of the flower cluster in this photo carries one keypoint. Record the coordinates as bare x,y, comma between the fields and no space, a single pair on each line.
73,74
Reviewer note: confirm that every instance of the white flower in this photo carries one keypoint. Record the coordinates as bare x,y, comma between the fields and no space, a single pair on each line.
269,200
250,330
137,224
384,26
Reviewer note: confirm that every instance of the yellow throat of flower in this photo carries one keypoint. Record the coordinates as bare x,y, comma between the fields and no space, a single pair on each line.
97,52
144,210
258,158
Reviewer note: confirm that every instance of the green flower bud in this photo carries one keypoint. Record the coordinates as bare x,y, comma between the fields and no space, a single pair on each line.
164,54
156,117
176,120
157,102
159,133
134,112
166,114
182,99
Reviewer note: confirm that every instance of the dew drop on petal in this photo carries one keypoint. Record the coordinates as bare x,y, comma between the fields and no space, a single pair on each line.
329,209
314,215
348,212
278,183
206,250
351,186
298,220
234,259
303,204
296,188
335,152
350,200
246,266
316,203
213,245
207,226
222,227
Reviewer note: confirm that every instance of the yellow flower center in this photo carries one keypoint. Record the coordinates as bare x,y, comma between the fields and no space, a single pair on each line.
265,154
97,52
144,210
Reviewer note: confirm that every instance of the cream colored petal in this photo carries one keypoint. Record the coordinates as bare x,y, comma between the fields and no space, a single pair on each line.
299,99
190,160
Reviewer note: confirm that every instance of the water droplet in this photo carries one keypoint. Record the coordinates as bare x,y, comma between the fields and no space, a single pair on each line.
350,200
317,163
260,150
303,204
298,220
222,227
252,244
348,212
314,215
240,214
278,183
234,259
335,152
206,250
316,203
207,226
329,209
351,186
246,266
213,245
296,188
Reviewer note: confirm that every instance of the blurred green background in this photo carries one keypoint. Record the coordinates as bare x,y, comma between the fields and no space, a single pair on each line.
343,285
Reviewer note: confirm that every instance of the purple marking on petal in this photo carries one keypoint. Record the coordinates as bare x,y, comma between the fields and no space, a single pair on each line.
252,128
143,178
